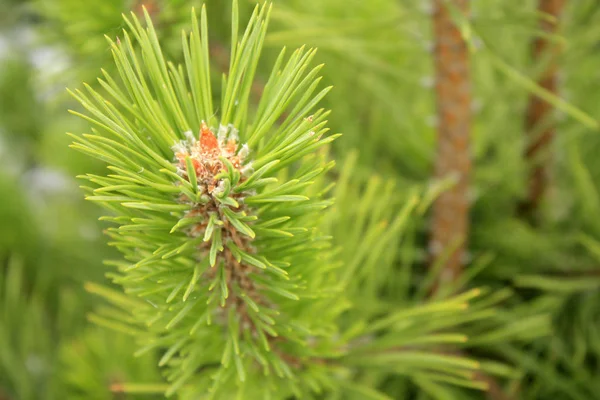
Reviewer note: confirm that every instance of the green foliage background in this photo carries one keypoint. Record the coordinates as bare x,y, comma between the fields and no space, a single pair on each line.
535,327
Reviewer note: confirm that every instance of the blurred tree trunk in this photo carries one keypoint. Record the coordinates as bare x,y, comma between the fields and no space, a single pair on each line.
538,124
450,223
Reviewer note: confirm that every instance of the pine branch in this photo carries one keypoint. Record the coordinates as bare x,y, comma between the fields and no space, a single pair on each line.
539,124
450,222
219,230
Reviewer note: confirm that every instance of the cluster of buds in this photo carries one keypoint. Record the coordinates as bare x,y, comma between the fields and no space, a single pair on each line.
206,155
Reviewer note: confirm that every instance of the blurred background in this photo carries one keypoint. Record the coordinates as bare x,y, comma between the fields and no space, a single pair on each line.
380,56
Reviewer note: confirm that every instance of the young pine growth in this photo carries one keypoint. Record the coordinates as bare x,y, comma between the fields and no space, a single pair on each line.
217,213
227,273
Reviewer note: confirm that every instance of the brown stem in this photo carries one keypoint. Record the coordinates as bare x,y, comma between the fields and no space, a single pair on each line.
450,223
539,129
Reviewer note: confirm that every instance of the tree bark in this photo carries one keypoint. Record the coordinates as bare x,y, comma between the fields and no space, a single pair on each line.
539,128
450,222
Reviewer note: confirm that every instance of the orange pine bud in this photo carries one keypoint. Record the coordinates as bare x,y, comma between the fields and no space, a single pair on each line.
208,141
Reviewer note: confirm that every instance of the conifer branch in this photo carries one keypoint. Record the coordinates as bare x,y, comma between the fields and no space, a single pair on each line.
219,228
